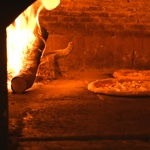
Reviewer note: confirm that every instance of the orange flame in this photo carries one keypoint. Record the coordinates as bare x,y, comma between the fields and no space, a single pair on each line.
20,36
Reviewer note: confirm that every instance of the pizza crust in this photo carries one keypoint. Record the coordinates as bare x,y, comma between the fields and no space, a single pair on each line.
112,86
130,74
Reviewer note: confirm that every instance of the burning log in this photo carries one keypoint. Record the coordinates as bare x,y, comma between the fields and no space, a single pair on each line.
49,65
27,75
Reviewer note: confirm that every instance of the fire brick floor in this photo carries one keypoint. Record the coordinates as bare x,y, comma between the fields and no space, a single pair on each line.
62,114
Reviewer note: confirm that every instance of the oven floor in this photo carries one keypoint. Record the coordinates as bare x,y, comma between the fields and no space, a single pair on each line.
63,114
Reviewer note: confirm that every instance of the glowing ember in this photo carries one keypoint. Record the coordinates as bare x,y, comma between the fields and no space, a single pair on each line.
20,36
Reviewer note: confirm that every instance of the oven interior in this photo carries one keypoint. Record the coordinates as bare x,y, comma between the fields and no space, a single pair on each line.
58,111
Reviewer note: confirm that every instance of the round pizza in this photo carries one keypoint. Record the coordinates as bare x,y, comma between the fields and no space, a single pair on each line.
112,86
130,74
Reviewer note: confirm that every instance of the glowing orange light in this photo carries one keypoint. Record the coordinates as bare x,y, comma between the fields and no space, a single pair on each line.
20,36
50,4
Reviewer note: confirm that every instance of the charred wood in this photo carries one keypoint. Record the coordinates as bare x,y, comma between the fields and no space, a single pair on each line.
49,67
25,79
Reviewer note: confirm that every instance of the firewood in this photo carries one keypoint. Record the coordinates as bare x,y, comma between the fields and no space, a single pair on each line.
25,79
58,53
49,66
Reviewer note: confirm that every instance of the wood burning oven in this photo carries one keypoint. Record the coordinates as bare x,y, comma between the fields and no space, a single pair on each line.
107,36
9,11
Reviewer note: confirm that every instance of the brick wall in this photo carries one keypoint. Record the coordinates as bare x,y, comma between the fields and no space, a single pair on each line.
106,33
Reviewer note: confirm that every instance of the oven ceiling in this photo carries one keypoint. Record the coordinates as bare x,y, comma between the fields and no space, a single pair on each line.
9,10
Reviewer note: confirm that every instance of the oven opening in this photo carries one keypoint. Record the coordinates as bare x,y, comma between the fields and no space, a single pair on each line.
78,75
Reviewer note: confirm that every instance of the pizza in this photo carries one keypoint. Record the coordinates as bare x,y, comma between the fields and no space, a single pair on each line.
129,74
112,86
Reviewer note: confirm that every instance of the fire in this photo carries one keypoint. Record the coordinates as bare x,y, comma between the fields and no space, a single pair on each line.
50,4
20,36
